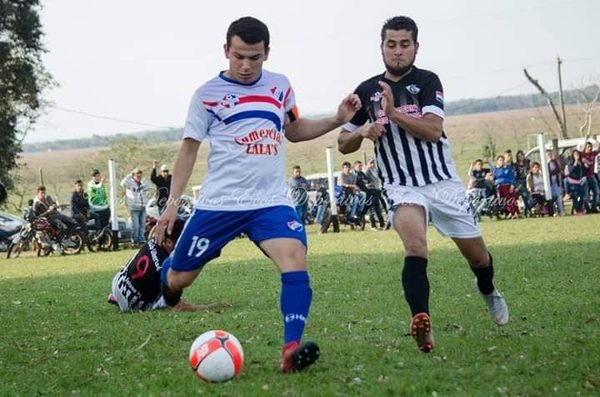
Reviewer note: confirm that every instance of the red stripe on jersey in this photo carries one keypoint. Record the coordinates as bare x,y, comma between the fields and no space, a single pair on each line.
259,98
287,94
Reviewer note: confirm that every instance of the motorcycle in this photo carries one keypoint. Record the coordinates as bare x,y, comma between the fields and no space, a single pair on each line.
21,241
9,228
47,236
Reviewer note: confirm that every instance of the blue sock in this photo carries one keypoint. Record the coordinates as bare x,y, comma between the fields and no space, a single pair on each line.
164,270
296,296
171,298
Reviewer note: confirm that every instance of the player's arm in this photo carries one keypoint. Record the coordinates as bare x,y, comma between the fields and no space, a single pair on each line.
301,129
184,164
350,141
192,307
428,128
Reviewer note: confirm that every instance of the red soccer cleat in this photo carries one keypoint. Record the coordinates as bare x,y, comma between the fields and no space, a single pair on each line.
296,357
420,329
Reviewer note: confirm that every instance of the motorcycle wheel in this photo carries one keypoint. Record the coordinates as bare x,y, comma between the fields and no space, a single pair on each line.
73,243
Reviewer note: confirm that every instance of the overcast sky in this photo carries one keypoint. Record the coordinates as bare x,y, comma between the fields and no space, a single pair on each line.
141,60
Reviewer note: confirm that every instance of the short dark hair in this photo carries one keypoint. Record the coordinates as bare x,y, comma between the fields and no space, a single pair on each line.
41,188
78,182
250,30
357,162
346,163
95,172
400,23
296,167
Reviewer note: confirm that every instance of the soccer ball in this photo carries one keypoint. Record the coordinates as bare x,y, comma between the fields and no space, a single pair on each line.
216,356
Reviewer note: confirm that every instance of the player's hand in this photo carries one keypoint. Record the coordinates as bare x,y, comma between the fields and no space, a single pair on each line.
387,100
347,108
191,307
165,222
372,131
154,162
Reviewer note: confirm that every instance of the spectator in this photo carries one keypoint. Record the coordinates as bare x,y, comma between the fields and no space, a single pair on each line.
588,157
299,192
374,198
44,205
575,173
322,202
554,169
508,159
354,198
535,187
504,176
136,198
521,168
163,185
98,199
80,206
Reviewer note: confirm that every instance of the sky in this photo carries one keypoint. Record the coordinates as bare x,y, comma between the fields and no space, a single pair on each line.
132,65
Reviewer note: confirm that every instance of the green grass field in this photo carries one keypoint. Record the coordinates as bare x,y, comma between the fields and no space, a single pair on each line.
59,337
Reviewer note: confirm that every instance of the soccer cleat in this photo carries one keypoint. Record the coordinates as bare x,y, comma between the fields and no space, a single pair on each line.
420,329
497,307
296,357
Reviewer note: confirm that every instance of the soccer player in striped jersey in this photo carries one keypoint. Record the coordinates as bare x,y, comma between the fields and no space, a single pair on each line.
246,112
402,113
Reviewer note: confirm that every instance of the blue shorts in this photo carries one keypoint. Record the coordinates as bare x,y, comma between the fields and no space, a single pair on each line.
207,232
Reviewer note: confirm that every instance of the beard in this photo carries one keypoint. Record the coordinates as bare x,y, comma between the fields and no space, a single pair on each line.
398,71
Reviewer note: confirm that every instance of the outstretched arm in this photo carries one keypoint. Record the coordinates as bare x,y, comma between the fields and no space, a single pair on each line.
349,142
306,129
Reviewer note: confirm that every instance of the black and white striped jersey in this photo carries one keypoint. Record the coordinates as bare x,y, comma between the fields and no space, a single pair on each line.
403,159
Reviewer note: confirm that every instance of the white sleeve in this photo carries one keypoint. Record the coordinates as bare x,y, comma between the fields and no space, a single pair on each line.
290,99
198,120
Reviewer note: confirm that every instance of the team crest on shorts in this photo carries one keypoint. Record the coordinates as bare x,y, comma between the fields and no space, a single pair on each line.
295,226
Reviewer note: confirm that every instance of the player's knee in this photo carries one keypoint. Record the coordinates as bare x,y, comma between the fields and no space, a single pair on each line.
479,259
415,247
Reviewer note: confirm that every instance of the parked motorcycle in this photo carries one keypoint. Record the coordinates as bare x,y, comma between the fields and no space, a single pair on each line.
47,237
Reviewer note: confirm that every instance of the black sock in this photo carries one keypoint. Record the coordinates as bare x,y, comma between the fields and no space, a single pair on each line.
416,284
485,277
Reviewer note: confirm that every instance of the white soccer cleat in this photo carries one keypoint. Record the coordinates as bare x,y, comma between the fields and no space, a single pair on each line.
497,307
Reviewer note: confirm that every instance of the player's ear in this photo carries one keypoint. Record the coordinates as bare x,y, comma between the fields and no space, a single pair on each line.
226,50
416,47
267,51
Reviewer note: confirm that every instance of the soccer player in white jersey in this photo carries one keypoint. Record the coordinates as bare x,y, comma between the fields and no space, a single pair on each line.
246,112
402,113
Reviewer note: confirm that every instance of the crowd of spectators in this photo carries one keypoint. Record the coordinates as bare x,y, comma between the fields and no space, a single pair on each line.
90,202
358,195
515,188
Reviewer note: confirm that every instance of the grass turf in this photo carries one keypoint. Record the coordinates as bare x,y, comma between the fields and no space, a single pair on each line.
59,337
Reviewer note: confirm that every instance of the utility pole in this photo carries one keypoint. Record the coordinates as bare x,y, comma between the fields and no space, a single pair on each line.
561,99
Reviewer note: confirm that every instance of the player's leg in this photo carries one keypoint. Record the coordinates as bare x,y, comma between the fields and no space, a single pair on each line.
410,221
482,265
281,236
202,238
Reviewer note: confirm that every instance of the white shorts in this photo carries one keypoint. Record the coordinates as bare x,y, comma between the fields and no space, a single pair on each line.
122,301
445,204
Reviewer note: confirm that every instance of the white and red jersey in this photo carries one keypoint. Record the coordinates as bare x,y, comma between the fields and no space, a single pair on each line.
245,126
